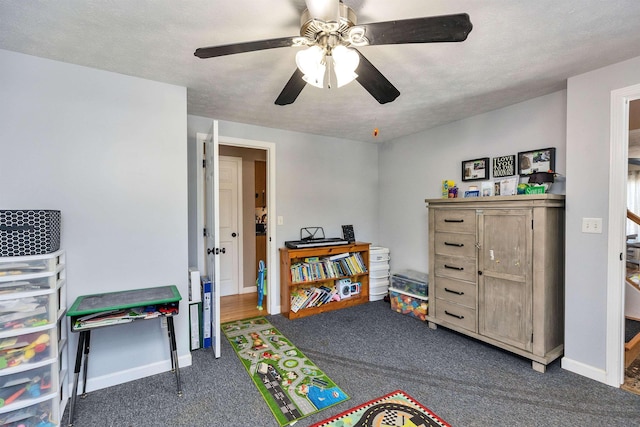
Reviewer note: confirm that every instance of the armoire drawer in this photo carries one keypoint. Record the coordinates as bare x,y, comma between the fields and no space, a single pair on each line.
456,244
463,268
456,291
454,220
457,315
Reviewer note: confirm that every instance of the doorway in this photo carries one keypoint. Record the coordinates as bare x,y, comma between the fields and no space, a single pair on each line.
618,176
632,284
253,219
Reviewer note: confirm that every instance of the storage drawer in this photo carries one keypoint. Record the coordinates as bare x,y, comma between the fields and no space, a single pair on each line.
379,274
27,349
457,315
378,284
35,415
456,291
382,266
17,284
378,253
456,244
32,310
33,266
19,388
463,268
455,220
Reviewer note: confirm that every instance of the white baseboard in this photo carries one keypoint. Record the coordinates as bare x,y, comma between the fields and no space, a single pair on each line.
125,376
580,368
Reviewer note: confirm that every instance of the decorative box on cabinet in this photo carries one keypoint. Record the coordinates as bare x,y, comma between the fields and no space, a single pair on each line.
33,339
289,285
497,272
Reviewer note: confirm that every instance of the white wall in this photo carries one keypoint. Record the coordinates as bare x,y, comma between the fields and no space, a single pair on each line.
110,152
412,168
588,153
320,181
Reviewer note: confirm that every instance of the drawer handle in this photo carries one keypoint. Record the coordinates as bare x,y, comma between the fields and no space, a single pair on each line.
453,267
453,292
454,220
459,245
457,316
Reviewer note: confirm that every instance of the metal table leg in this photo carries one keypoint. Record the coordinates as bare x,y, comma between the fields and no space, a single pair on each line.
174,352
76,374
87,341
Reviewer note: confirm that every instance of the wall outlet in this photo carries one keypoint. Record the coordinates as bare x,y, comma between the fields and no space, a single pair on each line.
592,225
280,220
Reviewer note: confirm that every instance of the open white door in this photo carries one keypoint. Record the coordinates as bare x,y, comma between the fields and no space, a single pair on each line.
212,238
229,225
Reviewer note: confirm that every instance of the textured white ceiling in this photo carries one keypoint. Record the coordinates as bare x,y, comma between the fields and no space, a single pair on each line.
517,50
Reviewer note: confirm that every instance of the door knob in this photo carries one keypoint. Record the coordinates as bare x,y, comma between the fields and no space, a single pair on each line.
233,234
216,251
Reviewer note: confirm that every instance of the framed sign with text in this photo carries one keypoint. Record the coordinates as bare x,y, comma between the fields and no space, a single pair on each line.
504,166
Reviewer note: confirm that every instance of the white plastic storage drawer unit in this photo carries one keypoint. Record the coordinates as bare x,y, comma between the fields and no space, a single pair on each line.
378,272
33,338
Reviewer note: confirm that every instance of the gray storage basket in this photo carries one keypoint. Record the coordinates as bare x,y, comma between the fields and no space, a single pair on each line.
29,232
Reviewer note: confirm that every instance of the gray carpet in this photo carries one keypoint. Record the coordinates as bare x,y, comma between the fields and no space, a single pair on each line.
370,351
631,329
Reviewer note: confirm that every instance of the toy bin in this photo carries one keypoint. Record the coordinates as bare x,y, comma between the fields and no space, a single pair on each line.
411,281
32,310
29,348
43,413
410,304
23,388
409,293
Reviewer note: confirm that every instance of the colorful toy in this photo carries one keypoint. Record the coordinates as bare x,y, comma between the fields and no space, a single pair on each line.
260,283
32,386
20,354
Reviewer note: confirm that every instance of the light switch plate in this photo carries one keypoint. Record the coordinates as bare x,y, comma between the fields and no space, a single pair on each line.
592,225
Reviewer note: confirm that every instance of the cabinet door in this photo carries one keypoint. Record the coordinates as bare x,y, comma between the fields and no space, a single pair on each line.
505,276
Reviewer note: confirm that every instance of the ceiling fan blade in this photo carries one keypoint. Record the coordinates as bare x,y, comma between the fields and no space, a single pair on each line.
292,89
374,82
231,49
446,28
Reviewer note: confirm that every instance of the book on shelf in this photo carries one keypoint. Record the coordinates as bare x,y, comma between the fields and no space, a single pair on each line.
339,256
312,296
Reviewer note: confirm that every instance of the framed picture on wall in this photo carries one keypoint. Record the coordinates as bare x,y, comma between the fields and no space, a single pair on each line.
475,170
541,160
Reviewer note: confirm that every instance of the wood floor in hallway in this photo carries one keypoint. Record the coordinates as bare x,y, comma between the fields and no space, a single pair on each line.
242,306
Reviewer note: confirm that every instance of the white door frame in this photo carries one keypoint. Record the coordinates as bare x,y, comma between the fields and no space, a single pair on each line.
273,303
618,164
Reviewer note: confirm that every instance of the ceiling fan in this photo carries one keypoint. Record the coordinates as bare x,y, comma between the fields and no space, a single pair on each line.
330,32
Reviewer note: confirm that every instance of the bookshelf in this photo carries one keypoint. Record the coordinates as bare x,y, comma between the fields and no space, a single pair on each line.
322,276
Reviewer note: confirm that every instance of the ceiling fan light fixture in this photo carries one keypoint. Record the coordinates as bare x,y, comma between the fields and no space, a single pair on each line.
311,62
345,62
324,10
